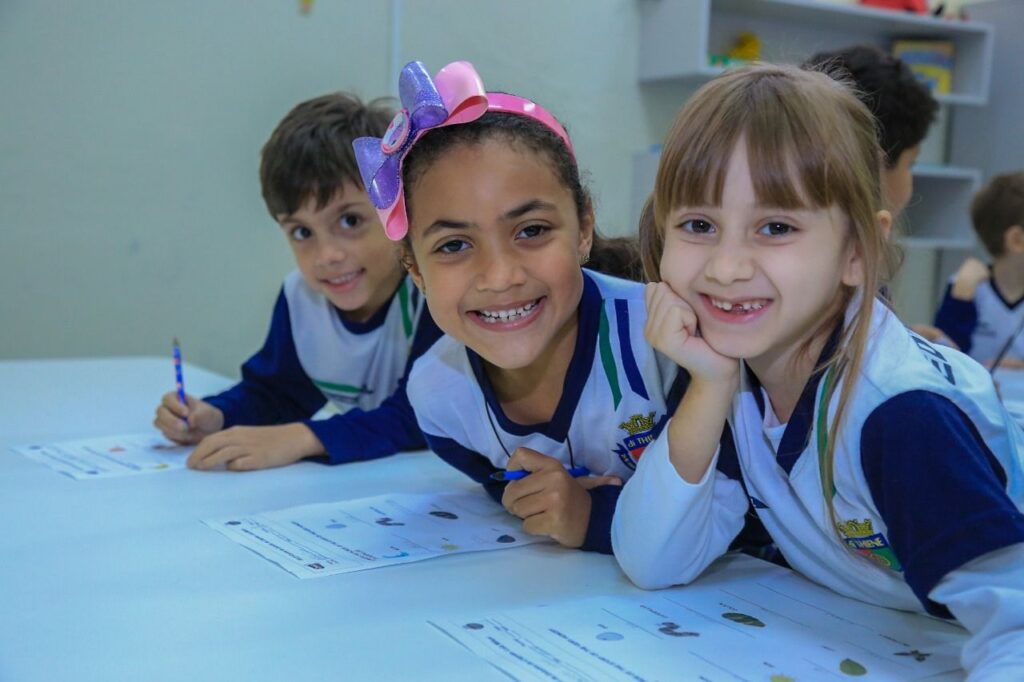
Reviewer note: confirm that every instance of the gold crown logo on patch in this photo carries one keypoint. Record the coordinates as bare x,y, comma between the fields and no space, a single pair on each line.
638,424
857,529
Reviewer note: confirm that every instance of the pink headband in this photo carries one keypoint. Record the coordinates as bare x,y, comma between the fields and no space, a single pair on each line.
455,95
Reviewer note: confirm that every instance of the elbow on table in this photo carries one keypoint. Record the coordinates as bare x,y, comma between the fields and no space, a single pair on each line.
653,576
652,570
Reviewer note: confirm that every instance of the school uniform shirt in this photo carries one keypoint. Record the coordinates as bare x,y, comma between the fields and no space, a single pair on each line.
981,327
312,355
616,398
928,493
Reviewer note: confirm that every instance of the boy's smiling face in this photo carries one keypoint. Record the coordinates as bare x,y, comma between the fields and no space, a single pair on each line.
342,252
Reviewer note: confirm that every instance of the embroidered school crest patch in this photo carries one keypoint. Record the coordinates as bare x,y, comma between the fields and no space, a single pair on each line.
861,536
639,434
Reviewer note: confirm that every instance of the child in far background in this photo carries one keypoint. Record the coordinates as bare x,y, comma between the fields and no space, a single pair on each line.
984,304
882,467
901,104
346,326
544,365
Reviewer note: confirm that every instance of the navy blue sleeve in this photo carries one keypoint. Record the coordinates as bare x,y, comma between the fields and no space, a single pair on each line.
957,319
939,489
274,387
479,468
603,499
473,464
391,427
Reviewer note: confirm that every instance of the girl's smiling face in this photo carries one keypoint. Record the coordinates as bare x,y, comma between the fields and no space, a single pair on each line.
760,279
496,247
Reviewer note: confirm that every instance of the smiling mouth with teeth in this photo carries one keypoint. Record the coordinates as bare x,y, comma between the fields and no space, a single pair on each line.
343,279
737,308
510,315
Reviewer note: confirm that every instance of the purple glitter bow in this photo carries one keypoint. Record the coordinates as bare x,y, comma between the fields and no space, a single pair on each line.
456,95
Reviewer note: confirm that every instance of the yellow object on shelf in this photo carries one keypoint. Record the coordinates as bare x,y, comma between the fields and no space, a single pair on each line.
930,60
747,47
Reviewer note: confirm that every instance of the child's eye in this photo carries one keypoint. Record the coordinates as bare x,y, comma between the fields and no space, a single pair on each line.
300,233
531,231
776,229
698,226
350,221
452,246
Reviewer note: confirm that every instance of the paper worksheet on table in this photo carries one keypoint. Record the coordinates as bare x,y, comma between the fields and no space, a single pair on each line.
775,626
109,456
355,535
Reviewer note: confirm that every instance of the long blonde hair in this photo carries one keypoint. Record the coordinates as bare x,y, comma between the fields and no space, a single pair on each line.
809,141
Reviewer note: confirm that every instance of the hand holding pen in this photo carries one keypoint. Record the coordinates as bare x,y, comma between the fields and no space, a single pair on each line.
518,474
183,418
551,500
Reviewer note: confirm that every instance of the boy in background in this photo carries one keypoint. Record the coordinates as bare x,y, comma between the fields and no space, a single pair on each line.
347,324
984,305
902,105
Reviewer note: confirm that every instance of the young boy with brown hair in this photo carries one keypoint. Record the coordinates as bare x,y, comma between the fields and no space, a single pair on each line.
347,324
984,304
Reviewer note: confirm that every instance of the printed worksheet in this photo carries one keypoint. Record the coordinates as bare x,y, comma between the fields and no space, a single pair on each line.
355,535
109,456
776,628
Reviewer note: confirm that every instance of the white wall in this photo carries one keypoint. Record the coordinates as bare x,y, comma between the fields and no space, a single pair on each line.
129,136
129,199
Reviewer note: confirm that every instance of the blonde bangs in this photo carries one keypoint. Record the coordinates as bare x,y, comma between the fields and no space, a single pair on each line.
779,112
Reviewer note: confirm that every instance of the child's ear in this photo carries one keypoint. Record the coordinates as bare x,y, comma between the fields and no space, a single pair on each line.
1013,239
884,220
409,263
587,223
853,269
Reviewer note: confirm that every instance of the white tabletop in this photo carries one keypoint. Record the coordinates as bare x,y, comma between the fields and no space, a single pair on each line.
118,579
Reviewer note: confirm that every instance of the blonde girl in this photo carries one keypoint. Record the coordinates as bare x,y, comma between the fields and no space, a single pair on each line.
882,467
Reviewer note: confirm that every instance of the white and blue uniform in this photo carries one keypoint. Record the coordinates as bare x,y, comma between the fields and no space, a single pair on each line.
312,355
928,495
981,327
617,395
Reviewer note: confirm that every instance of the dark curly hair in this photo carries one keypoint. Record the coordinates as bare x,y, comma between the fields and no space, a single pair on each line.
903,106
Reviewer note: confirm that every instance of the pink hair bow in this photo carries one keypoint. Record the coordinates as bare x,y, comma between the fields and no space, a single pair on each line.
455,95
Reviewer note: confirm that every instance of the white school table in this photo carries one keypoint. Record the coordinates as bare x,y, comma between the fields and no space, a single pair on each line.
118,579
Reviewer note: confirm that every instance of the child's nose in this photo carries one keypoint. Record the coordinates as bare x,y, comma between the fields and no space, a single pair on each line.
729,263
331,251
501,271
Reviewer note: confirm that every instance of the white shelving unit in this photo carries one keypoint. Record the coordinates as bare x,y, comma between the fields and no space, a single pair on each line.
677,37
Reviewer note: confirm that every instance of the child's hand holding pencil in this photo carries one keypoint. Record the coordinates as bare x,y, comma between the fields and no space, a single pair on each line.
183,418
187,424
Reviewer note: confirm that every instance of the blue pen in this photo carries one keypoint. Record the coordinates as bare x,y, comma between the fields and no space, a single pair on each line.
179,380
575,472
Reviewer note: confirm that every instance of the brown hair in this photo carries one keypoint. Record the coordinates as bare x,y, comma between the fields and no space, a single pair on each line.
309,154
997,207
613,256
811,143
